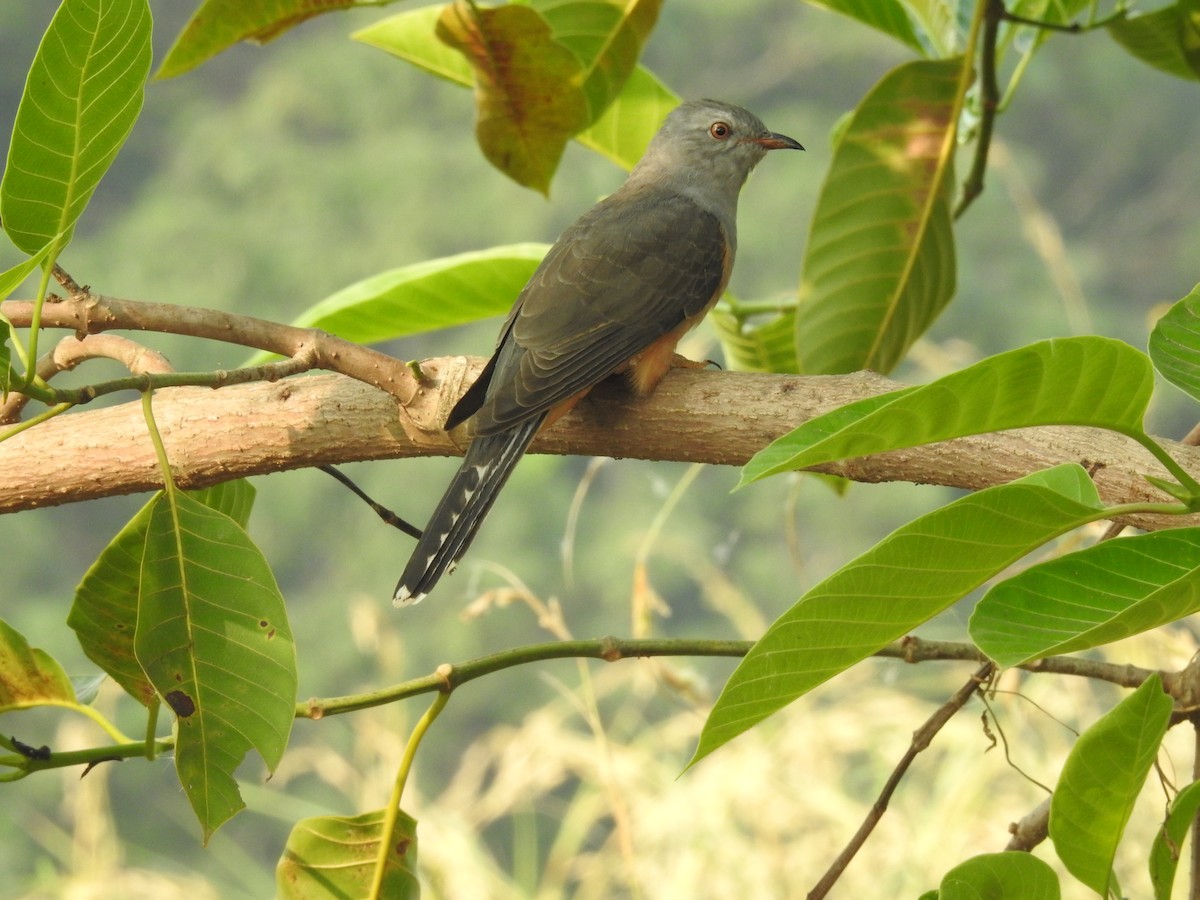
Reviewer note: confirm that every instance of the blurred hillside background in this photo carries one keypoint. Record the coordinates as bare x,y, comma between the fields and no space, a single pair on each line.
273,176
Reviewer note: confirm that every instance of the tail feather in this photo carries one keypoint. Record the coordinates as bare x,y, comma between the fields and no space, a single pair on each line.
489,461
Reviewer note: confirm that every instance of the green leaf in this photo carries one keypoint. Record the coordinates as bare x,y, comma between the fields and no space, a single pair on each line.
1175,344
1164,852
82,97
1101,780
1158,39
219,24
213,637
888,16
907,578
233,498
621,134
335,856
13,278
428,295
104,614
29,676
1000,876
1090,381
766,347
879,266
1096,596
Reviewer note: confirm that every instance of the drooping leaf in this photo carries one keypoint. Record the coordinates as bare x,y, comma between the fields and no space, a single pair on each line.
888,16
29,676
335,856
879,266
606,39
907,578
1096,596
528,101
214,639
82,97
104,614
1011,875
219,24
1089,380
1159,39
1101,780
428,295
620,134
1175,344
1164,852
766,347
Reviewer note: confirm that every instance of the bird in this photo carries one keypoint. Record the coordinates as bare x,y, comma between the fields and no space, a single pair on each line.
613,295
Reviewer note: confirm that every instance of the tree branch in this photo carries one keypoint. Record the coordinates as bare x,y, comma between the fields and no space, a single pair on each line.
257,428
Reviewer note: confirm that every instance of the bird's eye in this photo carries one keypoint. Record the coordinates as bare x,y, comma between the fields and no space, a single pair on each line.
720,130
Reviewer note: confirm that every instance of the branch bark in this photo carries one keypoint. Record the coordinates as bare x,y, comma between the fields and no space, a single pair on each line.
712,417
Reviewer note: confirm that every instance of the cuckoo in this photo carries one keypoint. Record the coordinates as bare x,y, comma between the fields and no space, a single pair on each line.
614,295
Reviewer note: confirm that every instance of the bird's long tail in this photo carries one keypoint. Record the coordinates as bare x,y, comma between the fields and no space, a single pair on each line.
489,461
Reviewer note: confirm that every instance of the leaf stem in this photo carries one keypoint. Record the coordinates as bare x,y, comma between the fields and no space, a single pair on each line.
1177,471
160,450
151,727
392,813
35,420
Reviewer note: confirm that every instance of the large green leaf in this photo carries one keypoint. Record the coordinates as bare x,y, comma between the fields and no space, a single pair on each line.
104,614
620,134
219,24
1101,780
904,580
1010,875
335,856
879,266
1164,852
1096,596
1090,381
1175,344
29,676
428,295
214,639
82,97
1158,39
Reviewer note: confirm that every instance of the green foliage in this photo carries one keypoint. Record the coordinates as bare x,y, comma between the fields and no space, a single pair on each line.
1100,782
427,296
83,95
1099,595
1164,855
29,676
901,582
999,876
879,265
1066,381
335,856
213,638
1175,344
182,609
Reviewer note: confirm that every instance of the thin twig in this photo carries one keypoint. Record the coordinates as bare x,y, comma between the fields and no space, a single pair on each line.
922,737
380,510
989,104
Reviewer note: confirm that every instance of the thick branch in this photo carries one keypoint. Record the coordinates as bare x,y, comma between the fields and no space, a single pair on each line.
712,417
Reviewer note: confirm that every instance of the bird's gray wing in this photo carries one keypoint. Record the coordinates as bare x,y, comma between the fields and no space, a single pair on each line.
627,273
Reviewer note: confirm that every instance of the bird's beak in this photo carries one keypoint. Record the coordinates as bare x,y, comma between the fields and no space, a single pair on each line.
773,141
